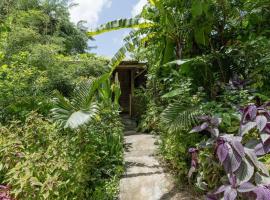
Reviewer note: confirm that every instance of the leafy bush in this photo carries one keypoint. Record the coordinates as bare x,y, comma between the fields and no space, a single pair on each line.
22,89
39,161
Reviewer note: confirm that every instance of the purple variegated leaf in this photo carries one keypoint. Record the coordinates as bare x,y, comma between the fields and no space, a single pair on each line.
192,150
204,126
251,144
196,129
237,138
227,164
204,118
238,147
232,162
252,156
262,193
233,180
235,161
194,163
267,114
264,137
213,131
222,152
230,194
199,128
261,122
263,169
211,197
262,148
245,128
244,172
252,112
221,189
227,137
191,171
261,179
215,121
266,104
267,128
246,187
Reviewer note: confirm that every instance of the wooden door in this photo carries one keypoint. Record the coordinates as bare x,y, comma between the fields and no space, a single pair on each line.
125,83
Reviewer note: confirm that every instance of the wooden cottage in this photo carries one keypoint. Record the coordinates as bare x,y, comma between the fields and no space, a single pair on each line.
131,75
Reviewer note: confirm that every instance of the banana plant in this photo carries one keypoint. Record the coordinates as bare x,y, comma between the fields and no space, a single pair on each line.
147,29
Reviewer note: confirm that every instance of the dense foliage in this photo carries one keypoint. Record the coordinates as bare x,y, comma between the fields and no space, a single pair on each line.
206,58
208,76
46,82
39,161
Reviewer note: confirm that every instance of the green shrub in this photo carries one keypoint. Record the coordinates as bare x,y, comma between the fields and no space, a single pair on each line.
39,161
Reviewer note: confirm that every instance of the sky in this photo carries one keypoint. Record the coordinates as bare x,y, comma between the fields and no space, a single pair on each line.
97,12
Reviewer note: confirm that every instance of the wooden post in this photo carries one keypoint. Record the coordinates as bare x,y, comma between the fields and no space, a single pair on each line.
132,76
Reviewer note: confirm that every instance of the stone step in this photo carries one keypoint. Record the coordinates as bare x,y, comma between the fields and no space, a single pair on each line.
129,124
145,178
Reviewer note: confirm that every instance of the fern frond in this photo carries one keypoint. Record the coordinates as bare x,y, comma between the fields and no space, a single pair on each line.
177,117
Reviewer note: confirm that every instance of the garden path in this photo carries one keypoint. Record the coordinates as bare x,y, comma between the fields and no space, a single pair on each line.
145,178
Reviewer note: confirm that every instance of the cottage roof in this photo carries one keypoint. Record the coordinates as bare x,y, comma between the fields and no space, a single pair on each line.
131,65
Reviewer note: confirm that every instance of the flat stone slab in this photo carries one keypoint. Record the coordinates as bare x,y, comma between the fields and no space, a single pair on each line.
145,179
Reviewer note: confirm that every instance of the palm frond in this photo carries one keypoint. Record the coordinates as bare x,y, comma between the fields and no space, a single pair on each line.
84,92
82,107
82,117
120,24
177,117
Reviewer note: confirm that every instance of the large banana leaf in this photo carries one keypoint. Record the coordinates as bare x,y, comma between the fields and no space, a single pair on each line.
120,24
127,47
152,2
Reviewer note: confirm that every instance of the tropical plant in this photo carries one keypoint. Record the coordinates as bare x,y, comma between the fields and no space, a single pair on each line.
156,23
239,158
86,101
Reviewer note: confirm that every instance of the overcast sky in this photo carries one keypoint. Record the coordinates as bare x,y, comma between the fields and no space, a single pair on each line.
97,12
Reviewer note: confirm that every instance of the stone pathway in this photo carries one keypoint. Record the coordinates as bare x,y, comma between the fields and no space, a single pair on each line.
145,179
